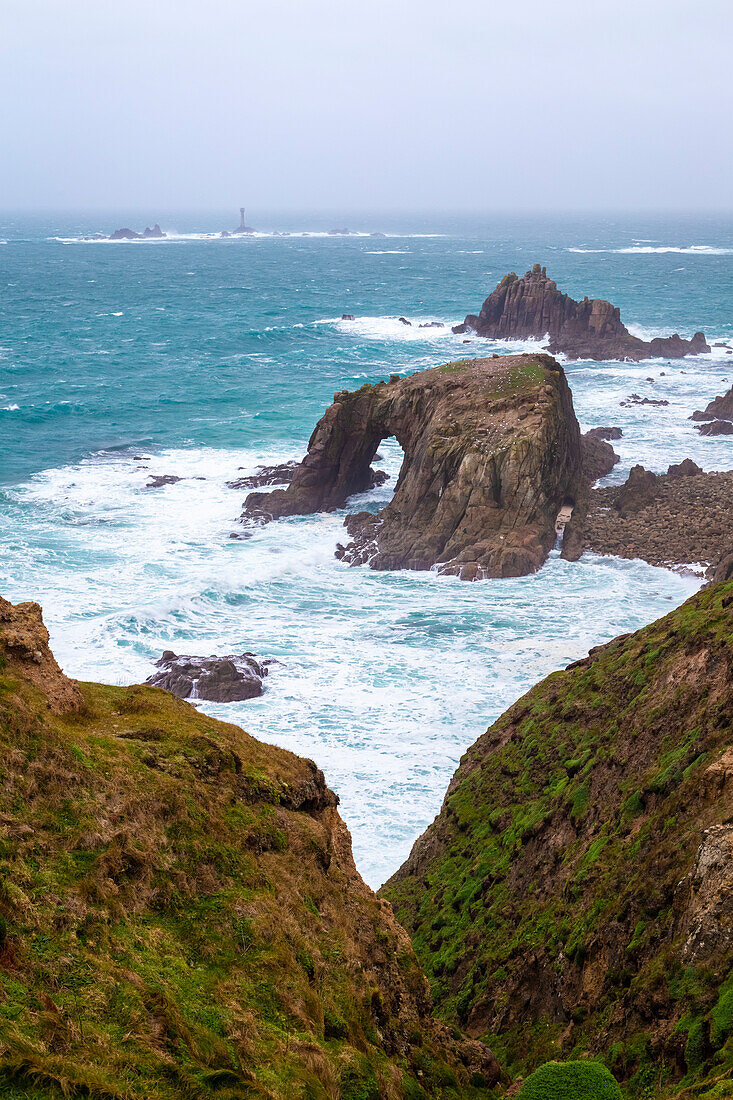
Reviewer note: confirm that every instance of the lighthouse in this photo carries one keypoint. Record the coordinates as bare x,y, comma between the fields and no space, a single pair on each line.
242,226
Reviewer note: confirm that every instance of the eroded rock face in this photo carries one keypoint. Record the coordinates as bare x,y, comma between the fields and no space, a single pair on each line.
599,457
24,644
217,679
720,408
705,896
281,474
592,329
492,451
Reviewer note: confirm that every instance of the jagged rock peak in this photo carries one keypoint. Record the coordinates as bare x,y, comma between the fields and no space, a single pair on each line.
533,307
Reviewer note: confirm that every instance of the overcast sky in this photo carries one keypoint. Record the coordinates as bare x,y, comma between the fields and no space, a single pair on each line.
366,104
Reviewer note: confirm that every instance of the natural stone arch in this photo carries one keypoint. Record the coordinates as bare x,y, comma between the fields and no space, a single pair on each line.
492,449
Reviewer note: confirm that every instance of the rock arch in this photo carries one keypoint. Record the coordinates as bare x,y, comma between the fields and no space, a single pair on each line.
492,449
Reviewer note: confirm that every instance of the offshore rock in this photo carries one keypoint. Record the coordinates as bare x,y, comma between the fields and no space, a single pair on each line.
720,408
533,307
606,433
266,475
217,679
492,452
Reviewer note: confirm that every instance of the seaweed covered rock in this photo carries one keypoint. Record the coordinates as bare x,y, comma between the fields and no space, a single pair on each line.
180,915
574,896
492,452
532,306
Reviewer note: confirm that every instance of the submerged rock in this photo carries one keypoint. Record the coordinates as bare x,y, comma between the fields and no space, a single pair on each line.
533,307
218,679
158,481
636,399
492,451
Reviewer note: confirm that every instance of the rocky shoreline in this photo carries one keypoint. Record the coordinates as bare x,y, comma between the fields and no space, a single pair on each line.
681,518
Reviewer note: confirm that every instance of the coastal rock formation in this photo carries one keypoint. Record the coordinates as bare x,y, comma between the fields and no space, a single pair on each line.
218,679
716,427
574,896
132,235
606,433
266,475
492,452
720,408
24,649
598,456
682,517
180,916
592,329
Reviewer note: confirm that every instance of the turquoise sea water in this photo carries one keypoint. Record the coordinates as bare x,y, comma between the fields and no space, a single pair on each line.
203,356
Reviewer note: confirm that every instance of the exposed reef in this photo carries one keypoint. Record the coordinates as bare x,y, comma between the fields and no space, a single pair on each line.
679,518
218,679
180,914
533,307
492,452
574,896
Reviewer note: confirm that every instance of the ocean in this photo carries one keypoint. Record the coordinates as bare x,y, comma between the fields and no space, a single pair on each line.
203,357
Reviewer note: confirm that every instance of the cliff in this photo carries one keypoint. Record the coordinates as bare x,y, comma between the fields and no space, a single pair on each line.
180,915
592,329
492,452
575,894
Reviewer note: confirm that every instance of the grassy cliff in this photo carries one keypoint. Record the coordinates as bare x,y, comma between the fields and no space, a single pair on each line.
575,895
180,915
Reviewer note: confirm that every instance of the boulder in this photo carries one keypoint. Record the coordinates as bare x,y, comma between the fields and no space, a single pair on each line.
492,452
606,433
599,457
217,679
685,468
533,307
636,492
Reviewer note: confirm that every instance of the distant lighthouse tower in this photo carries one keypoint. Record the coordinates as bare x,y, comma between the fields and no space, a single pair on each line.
242,225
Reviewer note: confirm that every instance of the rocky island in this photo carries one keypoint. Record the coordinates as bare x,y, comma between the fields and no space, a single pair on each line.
533,307
492,453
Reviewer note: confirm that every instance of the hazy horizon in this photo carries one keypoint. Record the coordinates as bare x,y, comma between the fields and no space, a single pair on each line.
381,106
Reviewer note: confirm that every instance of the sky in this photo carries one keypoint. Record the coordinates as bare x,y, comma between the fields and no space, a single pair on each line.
463,105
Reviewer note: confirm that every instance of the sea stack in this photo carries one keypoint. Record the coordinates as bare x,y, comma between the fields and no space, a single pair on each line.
533,307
